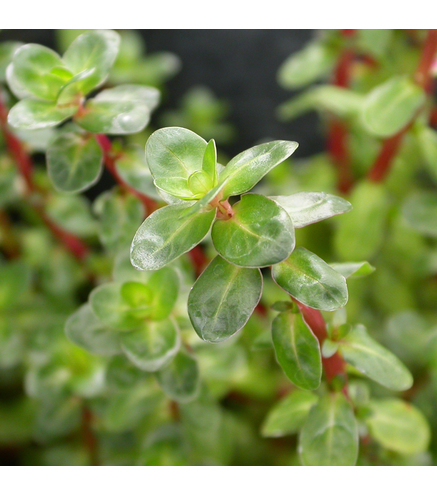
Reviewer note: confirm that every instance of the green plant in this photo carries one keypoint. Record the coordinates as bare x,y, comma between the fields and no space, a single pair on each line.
113,305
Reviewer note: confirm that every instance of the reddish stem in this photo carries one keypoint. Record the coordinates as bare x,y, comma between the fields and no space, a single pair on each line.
89,437
110,159
334,366
25,165
423,77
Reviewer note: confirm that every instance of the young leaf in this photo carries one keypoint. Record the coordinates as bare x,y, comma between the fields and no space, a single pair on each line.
209,164
306,208
373,360
390,106
297,350
74,162
87,331
164,236
420,212
245,170
173,154
354,270
152,346
38,71
180,379
124,109
199,183
260,233
289,414
398,426
329,436
7,50
35,114
222,299
311,281
360,234
92,53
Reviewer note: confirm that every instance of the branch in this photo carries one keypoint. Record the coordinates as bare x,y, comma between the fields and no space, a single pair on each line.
89,437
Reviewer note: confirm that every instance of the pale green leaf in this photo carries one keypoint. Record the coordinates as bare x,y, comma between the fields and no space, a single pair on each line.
354,270
420,212
35,114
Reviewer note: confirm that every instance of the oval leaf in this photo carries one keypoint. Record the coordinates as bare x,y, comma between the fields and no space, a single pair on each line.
297,350
152,346
166,234
259,234
35,114
222,299
74,162
330,434
420,212
306,208
249,167
373,360
311,281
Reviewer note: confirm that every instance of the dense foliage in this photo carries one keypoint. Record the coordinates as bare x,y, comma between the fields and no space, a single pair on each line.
247,310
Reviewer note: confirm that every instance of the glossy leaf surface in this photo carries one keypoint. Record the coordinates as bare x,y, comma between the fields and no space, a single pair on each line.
36,114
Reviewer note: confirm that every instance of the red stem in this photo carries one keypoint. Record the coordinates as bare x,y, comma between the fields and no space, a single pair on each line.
25,165
110,163
423,77
89,437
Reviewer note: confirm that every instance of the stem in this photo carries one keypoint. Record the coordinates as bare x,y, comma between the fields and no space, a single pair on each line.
110,163
423,77
25,166
334,366
89,437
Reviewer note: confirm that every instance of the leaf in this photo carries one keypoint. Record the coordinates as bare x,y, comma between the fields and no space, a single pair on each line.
374,41
311,281
329,436
260,233
390,106
15,277
374,360
35,114
353,270
92,53
164,236
398,426
420,212
124,109
7,50
360,234
297,350
222,299
38,71
209,163
288,415
246,169
164,285
307,65
305,208
87,331
427,141
74,162
180,379
153,345
173,154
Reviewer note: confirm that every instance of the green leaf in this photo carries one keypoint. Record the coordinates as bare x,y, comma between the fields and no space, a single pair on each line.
180,379
297,350
164,236
354,270
7,50
329,348
222,299
15,277
390,106
173,154
92,53
330,434
420,212
427,140
360,234
311,281
305,208
35,114
87,331
398,426
152,346
374,360
209,163
307,66
245,170
74,162
288,415
38,71
199,183
164,285
260,233
121,110
374,42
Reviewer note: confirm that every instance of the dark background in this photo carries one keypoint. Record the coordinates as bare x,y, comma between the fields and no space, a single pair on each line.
238,65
